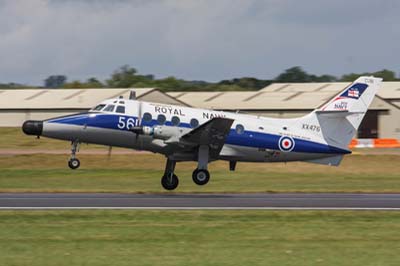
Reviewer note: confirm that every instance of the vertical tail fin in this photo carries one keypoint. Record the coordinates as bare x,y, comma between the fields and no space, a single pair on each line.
355,98
340,118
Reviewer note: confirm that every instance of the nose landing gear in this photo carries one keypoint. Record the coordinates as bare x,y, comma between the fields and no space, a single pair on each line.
73,162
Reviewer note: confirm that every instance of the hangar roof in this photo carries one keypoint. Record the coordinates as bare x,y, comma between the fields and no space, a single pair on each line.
73,98
279,96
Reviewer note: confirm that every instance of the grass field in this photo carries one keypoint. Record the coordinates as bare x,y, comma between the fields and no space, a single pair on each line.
116,237
142,172
199,238
14,138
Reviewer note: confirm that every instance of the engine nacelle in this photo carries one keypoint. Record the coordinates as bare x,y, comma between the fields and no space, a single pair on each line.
166,132
160,132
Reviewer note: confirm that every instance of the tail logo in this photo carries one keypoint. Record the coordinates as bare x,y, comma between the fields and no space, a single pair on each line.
354,93
286,144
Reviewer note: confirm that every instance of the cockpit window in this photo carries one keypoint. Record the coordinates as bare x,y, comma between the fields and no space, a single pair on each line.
109,108
98,107
120,109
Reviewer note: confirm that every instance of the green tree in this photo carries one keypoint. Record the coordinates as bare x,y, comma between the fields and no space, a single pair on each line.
293,74
55,81
247,83
386,74
124,77
94,83
322,78
76,84
127,76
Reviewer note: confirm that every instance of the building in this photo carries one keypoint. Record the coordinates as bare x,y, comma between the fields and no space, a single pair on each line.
297,99
276,100
16,106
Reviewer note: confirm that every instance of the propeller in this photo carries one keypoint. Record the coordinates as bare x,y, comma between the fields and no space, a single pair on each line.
139,121
109,152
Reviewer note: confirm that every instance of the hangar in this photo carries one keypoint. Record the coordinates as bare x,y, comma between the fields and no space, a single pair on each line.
298,99
16,106
275,100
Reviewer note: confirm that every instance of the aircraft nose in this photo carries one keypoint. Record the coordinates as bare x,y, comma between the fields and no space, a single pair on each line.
33,127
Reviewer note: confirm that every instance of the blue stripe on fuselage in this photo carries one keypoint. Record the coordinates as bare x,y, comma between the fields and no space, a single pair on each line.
247,139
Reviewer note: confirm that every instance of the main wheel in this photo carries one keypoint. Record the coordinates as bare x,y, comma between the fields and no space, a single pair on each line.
169,181
74,163
201,176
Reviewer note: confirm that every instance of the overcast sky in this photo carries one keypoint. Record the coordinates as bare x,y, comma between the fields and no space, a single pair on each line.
197,40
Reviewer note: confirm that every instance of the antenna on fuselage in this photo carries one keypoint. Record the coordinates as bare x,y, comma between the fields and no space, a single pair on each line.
132,95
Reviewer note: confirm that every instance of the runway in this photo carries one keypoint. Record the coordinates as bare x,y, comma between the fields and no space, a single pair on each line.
295,201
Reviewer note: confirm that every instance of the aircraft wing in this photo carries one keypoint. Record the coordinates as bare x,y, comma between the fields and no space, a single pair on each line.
212,133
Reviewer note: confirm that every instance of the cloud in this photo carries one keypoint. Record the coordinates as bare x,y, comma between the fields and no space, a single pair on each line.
206,39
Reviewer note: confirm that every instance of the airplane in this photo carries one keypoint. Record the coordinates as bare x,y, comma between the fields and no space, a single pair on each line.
201,135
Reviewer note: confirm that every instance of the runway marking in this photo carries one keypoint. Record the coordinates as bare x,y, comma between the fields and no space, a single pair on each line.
203,208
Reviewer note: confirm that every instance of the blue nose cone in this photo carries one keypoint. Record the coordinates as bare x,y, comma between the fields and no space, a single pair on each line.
33,127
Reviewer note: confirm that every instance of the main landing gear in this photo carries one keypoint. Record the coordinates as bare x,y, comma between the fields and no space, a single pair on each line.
73,162
200,175
170,181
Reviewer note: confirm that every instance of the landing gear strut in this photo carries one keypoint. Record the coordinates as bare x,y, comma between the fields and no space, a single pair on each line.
200,175
170,181
73,162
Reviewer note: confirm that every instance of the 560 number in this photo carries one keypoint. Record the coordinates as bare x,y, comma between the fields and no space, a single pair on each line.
126,122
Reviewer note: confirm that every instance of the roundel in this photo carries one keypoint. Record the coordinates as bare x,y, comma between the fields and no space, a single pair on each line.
286,143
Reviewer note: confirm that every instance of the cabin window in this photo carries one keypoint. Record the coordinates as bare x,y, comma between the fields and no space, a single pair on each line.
147,117
109,108
98,107
161,119
121,102
120,109
194,122
239,129
175,121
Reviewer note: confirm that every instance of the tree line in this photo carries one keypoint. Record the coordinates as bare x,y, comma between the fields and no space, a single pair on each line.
128,77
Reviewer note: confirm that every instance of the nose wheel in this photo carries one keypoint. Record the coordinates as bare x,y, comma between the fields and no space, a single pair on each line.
73,162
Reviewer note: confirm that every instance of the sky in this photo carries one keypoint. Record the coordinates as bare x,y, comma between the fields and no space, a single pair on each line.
195,39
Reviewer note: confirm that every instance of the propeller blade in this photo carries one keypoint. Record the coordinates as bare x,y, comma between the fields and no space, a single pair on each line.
109,152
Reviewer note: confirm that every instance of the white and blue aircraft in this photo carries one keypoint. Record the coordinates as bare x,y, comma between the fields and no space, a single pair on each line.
190,134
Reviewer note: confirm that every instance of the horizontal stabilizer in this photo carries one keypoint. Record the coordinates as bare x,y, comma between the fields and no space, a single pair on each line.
333,160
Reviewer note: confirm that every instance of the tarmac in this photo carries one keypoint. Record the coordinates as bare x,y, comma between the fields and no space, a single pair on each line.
288,201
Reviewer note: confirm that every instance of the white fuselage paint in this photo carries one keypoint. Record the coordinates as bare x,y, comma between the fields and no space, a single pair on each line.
113,131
